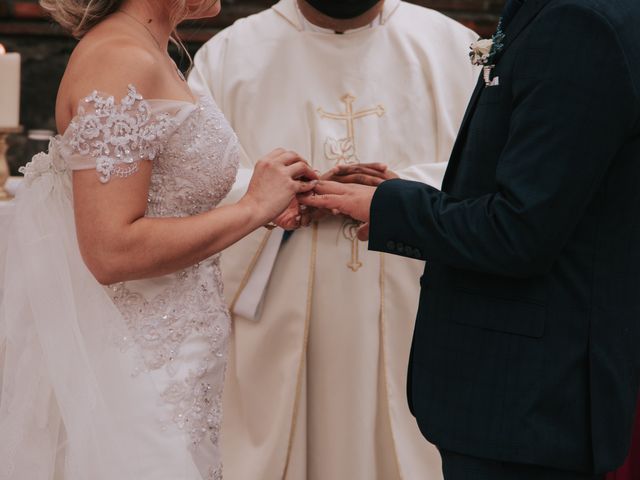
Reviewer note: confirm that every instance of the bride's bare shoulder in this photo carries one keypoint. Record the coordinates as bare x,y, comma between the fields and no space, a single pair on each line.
107,61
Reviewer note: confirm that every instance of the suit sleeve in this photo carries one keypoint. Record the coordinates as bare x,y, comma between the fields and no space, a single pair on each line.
573,106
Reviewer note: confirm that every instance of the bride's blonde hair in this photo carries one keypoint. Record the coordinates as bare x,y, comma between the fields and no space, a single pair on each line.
79,16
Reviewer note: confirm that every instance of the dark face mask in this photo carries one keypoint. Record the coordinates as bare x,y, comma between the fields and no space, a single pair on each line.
342,9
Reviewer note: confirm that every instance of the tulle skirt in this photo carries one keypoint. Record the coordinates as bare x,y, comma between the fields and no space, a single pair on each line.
70,405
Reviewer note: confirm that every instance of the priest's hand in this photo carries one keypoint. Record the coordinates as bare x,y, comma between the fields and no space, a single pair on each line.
348,199
363,232
371,174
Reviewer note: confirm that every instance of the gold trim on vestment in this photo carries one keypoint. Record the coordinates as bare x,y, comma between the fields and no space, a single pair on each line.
303,356
384,360
249,271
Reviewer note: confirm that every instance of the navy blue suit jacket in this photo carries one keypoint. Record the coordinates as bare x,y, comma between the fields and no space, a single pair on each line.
527,341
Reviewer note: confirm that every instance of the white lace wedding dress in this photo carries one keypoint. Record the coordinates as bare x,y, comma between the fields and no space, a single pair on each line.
121,382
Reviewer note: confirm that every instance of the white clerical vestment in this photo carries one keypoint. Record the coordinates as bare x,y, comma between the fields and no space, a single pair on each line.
315,386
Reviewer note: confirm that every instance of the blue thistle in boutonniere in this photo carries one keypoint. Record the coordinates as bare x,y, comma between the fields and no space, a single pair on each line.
484,52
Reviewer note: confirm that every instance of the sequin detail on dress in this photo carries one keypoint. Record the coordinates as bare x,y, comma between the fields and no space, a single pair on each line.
195,171
117,136
177,325
191,307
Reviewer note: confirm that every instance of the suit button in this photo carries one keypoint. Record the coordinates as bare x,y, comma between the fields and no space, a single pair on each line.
391,245
417,253
400,247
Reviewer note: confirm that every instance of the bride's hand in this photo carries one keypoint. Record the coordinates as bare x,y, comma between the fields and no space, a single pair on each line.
276,180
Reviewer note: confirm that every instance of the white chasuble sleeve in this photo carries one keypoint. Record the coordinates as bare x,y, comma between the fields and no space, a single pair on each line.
207,79
247,282
249,295
206,76
451,95
429,173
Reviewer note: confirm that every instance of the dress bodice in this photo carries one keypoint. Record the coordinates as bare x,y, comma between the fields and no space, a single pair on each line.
198,166
178,324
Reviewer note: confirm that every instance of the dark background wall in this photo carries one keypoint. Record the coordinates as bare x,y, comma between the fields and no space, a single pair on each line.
45,49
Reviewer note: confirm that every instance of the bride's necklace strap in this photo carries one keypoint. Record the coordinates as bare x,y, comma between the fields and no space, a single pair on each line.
180,74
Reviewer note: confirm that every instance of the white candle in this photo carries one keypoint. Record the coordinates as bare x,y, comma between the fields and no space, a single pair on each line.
9,89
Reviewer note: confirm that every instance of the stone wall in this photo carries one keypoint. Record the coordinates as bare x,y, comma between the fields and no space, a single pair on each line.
45,49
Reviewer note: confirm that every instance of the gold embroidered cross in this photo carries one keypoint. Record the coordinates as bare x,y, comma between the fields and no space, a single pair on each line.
350,117
350,231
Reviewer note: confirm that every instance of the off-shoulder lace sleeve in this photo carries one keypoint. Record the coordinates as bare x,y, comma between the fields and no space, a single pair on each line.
113,137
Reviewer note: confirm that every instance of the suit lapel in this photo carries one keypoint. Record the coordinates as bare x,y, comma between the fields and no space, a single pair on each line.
462,134
525,16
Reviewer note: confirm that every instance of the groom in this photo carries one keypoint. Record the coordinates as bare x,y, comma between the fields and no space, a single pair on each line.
524,362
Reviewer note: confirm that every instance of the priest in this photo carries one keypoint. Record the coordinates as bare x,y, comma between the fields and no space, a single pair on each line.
322,328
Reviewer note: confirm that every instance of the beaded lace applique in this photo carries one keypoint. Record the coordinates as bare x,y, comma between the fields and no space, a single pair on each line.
117,136
159,326
215,474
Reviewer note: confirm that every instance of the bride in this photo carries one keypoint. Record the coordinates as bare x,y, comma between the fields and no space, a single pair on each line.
113,330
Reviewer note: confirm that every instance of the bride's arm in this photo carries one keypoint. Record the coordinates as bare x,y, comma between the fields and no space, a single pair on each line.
119,243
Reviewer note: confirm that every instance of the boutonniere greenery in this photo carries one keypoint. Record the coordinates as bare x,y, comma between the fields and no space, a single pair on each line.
484,52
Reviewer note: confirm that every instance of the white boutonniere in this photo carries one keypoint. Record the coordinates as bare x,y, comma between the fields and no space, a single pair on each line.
484,52
480,51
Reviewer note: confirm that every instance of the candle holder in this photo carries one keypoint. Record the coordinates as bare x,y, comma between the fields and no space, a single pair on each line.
4,165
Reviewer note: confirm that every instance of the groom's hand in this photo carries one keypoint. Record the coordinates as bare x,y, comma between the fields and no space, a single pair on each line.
348,199
371,174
